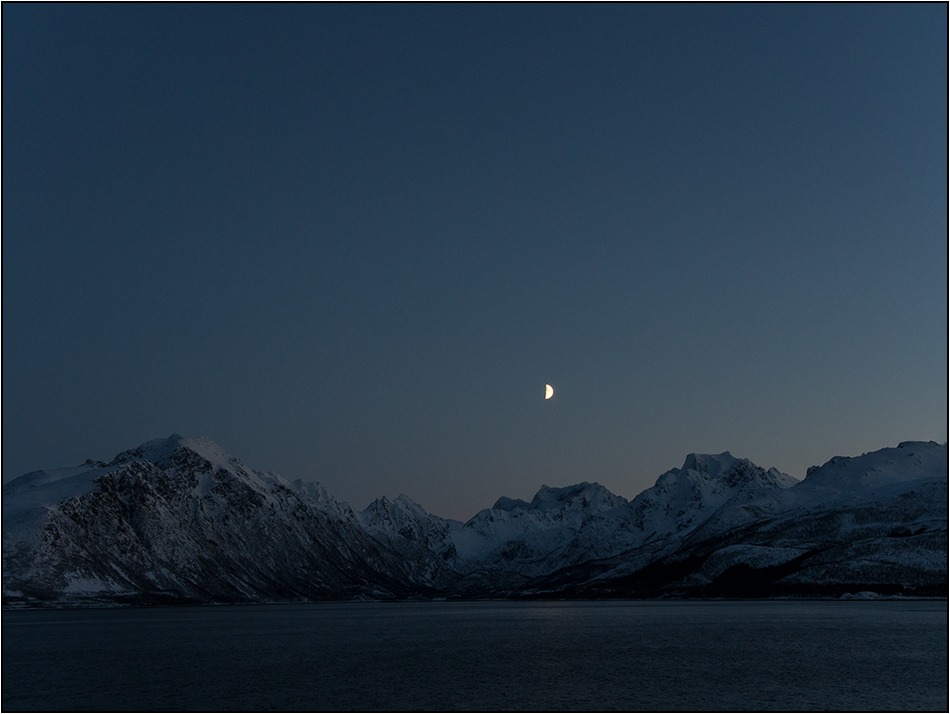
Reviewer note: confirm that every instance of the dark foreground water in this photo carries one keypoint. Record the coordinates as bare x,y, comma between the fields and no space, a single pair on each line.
656,656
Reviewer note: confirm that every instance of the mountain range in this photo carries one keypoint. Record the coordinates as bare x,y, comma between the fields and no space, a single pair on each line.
178,520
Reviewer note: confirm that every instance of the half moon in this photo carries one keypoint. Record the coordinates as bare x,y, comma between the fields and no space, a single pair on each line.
548,391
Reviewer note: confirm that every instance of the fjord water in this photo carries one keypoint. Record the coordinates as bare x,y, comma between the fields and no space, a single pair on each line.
484,656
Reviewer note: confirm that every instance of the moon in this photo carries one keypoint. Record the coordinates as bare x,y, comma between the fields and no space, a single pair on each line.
548,391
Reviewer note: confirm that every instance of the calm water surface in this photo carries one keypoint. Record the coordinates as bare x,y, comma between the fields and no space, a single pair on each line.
485,656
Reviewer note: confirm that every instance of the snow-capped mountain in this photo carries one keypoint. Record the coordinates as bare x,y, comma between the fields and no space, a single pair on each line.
405,520
685,498
520,531
516,542
504,546
416,535
179,520
873,522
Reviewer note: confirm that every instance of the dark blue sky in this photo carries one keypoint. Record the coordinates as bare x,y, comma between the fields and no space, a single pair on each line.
352,243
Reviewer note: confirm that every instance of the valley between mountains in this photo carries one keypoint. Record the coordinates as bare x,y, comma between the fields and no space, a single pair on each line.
179,521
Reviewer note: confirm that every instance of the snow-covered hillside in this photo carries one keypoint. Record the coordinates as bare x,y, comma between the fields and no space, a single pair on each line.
178,519
877,521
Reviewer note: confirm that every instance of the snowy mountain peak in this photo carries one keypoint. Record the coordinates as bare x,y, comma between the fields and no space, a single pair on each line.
780,479
581,496
885,468
726,470
683,499
408,526
919,445
162,452
403,501
317,495
712,464
397,515
509,504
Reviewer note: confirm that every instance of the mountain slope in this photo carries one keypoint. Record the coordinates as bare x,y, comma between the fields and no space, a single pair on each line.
874,522
179,519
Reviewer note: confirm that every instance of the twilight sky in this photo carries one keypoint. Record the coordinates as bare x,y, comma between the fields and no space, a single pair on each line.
352,243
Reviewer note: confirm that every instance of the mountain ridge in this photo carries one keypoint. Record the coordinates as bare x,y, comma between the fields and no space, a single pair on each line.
180,520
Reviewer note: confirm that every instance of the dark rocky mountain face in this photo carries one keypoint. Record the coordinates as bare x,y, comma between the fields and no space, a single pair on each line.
188,529
178,520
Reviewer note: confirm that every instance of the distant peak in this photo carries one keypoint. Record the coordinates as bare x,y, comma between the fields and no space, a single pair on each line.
407,503
509,504
920,445
401,502
159,451
590,494
710,463
726,469
314,489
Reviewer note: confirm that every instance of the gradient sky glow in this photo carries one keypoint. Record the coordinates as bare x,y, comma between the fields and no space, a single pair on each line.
352,243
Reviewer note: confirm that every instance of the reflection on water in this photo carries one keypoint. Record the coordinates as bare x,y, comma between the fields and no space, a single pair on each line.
482,656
